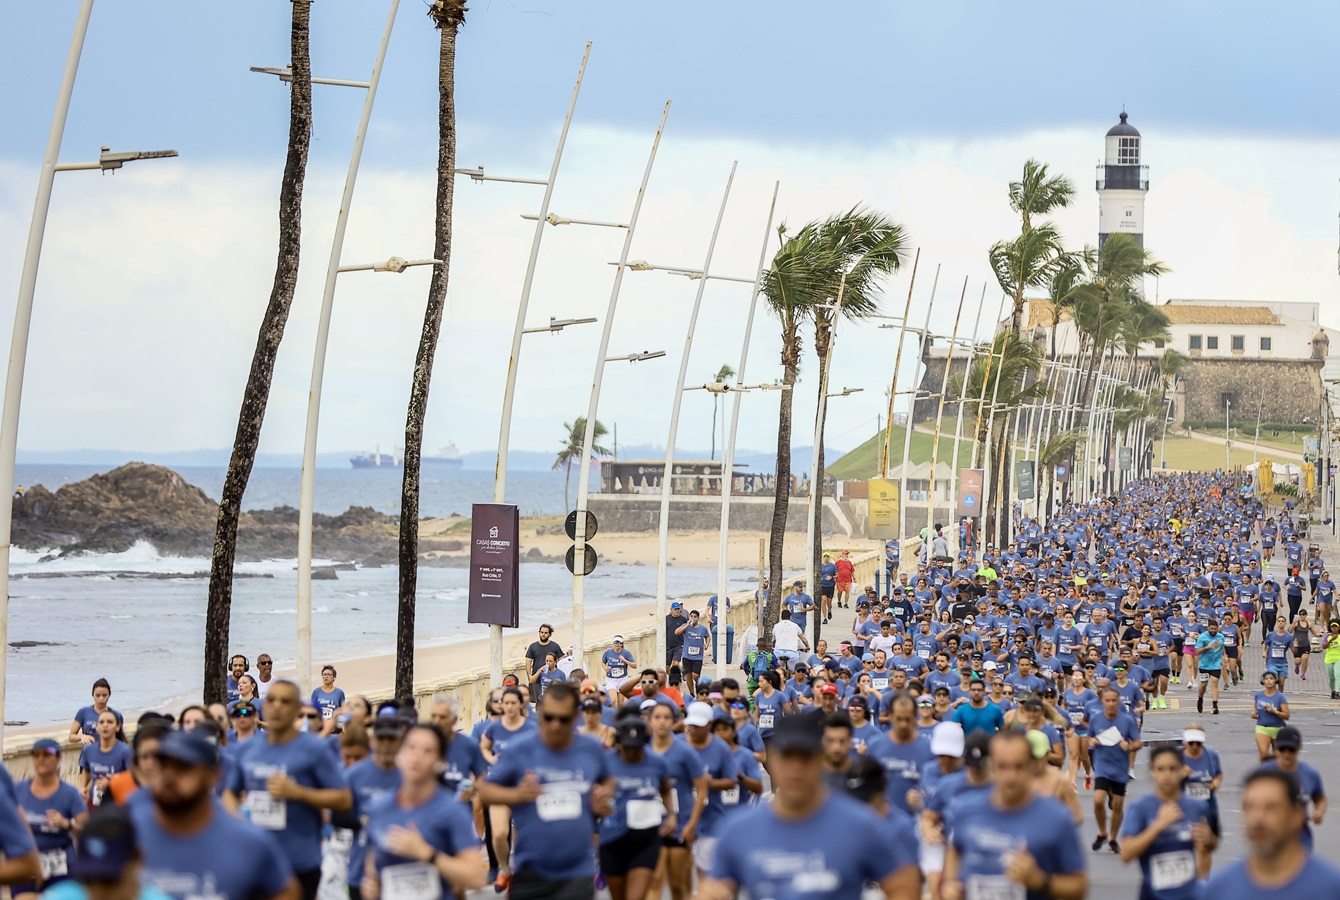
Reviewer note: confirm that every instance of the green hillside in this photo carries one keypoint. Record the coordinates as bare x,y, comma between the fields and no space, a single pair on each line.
863,462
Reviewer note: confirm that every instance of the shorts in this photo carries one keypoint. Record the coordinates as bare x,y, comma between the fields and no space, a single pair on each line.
613,684
1207,674
1177,645
1248,615
705,852
639,849
843,586
674,843
826,590
691,666
1189,650
1115,788
1231,652
788,656
931,857
1164,672
528,885
1300,652
1269,730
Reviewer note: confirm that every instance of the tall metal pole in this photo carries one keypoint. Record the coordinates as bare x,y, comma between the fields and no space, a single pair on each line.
23,316
584,478
1228,427
897,362
307,496
922,342
728,455
986,377
939,413
667,477
509,390
962,402
989,465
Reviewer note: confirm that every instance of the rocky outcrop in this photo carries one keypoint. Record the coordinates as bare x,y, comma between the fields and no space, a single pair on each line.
111,512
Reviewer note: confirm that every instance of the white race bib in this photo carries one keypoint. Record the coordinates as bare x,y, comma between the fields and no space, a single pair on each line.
993,887
731,797
644,814
411,881
1198,790
53,864
267,811
1171,870
879,684
342,839
765,720
559,806
327,712
694,650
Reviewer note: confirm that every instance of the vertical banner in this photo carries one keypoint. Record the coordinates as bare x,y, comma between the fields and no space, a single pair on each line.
1127,458
969,492
884,500
1063,469
1024,480
494,599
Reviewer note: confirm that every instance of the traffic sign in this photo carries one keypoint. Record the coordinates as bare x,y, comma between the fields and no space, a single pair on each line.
570,526
589,558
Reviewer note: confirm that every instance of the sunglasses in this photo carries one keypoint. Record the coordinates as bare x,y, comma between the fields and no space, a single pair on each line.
311,715
242,713
264,662
562,720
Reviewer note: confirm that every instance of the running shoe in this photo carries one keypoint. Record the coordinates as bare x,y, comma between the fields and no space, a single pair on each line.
1114,846
1303,676
1088,778
1295,670
1216,709
1200,704
1099,841
503,883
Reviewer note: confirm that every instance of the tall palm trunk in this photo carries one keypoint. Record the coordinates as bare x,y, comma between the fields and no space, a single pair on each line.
823,337
257,392
448,15
782,486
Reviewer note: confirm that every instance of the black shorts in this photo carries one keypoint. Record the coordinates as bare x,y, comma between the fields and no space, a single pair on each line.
691,666
1210,673
1115,788
1177,645
1300,652
528,885
1231,652
826,590
1164,672
674,843
633,850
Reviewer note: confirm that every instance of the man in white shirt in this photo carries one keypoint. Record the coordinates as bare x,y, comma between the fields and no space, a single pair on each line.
788,639
886,640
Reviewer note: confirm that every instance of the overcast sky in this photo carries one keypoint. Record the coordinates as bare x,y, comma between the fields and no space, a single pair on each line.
153,280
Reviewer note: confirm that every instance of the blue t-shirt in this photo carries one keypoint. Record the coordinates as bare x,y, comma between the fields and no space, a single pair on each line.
370,785
831,853
1204,770
988,719
207,863
697,638
828,575
327,703
716,756
683,767
15,838
983,834
1211,658
464,761
66,801
502,737
1310,789
100,764
1277,647
73,890
637,792
446,825
87,717
770,711
618,662
1170,861
294,825
1318,878
553,834
1268,709
747,765
1076,708
1112,762
902,765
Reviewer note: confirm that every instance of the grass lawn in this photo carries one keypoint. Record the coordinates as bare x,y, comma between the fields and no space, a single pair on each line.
1285,440
1190,453
863,462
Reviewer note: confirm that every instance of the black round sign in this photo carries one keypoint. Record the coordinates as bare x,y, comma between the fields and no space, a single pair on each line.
589,559
570,526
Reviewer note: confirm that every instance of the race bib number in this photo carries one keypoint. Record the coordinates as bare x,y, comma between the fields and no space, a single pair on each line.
53,864
1198,791
644,814
1171,870
765,720
1277,652
341,839
1076,718
327,712
267,811
559,806
731,797
411,881
879,684
993,887
695,651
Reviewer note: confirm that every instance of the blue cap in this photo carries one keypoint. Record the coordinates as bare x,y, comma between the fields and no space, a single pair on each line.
46,745
188,747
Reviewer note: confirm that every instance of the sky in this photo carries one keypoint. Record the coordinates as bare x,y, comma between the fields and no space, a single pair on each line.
153,280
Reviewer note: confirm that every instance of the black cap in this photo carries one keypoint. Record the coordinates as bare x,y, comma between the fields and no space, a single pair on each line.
865,779
976,748
1289,738
799,734
632,732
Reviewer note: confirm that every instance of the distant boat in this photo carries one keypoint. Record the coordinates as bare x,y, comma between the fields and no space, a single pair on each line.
448,457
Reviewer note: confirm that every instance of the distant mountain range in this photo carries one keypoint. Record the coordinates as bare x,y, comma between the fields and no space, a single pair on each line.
480,460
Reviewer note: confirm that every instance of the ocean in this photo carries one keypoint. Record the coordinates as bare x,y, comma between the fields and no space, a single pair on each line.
138,618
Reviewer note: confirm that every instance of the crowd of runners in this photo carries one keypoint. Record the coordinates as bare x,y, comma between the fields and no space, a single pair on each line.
938,748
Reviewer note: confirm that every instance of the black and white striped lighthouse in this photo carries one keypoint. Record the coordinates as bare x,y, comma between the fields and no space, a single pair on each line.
1122,184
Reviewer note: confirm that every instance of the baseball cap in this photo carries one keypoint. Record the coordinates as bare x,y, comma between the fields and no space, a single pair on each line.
243,710
699,714
388,726
976,747
859,702
632,732
865,779
106,845
676,605
827,688
1289,738
947,739
799,734
591,704
648,704
188,747
46,745
923,700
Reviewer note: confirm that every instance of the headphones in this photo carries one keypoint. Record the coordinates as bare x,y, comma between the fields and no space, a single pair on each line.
246,663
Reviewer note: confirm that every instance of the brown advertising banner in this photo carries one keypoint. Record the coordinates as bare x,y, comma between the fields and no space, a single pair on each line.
970,492
883,500
494,599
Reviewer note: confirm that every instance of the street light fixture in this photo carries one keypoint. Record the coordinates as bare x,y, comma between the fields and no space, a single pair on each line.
557,325
641,265
637,357
477,175
285,73
845,392
394,264
556,219
108,161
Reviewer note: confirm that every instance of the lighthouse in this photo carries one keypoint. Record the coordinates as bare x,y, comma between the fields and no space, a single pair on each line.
1122,184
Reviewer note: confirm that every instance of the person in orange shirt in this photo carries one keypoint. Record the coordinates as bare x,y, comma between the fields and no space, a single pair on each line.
846,572
143,765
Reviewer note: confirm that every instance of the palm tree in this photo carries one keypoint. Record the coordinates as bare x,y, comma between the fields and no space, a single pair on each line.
722,374
852,251
1037,194
575,435
1064,290
1038,247
1115,272
1056,449
448,16
256,395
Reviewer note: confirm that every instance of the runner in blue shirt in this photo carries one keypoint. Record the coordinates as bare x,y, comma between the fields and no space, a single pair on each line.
54,812
748,770
100,761
630,837
721,776
617,663
1167,832
903,753
1210,661
420,833
697,638
688,774
1288,746
1279,864
1113,736
1275,647
555,785
1017,844
328,698
371,780
282,781
85,724
1271,712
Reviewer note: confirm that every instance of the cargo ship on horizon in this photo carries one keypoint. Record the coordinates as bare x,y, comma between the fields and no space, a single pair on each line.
449,457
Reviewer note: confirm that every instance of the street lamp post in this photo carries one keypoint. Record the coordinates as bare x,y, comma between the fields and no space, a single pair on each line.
912,416
939,414
584,478
1227,428
23,309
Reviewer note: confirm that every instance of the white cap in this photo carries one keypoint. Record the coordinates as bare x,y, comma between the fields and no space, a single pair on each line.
947,739
1193,734
618,639
699,714
988,666
648,704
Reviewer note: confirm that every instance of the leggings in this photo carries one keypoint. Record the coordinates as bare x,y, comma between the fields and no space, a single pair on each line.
1333,674
1294,603
1268,621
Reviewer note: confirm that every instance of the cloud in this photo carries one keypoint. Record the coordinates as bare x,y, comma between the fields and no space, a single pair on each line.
153,281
